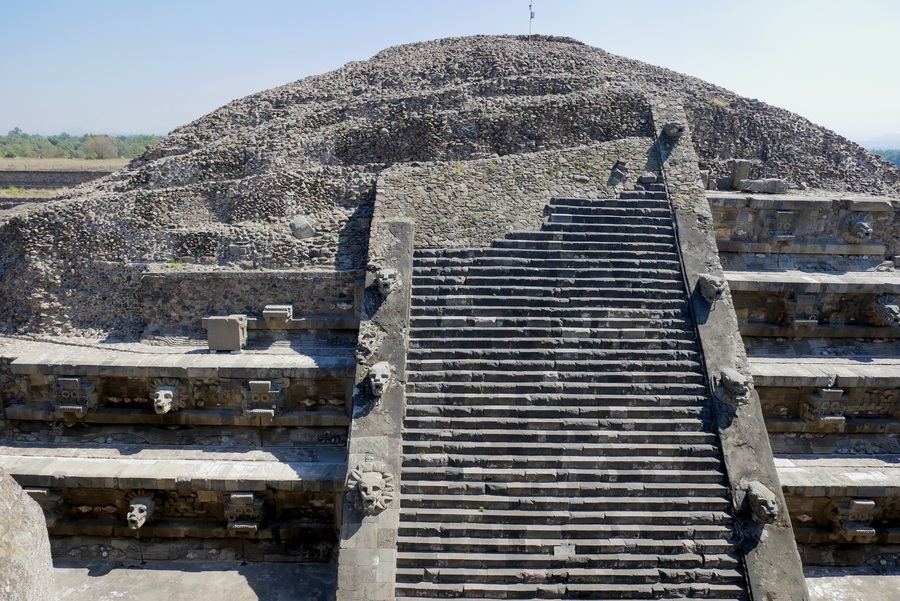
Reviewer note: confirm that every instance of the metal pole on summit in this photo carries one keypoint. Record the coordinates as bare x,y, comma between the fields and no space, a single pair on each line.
530,17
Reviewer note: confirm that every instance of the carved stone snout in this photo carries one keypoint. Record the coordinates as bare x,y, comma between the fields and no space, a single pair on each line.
388,280
140,510
711,287
674,129
733,387
762,502
379,376
861,230
881,311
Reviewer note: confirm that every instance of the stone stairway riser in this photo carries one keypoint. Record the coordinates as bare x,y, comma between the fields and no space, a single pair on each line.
678,401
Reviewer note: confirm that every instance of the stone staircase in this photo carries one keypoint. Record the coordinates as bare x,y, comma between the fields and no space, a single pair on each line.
558,441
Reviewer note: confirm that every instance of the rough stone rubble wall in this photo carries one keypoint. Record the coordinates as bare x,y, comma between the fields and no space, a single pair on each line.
174,303
459,205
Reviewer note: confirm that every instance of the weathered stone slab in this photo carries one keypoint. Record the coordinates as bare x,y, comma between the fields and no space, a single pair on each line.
25,565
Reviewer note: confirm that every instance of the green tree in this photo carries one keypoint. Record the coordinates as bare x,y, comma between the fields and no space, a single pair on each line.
99,147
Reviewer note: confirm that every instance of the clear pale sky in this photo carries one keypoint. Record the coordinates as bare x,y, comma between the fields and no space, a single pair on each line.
119,66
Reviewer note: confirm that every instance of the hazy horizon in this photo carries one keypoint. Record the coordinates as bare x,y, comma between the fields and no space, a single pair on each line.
104,67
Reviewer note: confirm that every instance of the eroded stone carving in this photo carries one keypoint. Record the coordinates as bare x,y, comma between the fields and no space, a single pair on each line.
861,230
168,395
801,311
278,314
711,287
244,511
674,129
74,396
379,377
733,387
881,311
825,410
852,521
782,226
388,280
762,502
140,510
263,398
370,487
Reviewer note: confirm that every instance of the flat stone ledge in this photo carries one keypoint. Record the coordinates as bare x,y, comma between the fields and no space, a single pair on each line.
787,372
734,199
68,472
67,360
872,282
812,248
163,581
853,584
832,476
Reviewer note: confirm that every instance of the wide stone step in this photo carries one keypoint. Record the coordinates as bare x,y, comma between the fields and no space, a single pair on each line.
635,259
469,322
549,474
474,305
555,448
548,364
564,532
558,376
685,502
562,354
531,413
654,217
588,399
587,518
534,546
661,212
560,423
580,243
514,436
628,229
479,331
427,257
428,591
572,290
565,235
642,339
588,313
569,575
650,266
582,388
495,284
609,202
549,561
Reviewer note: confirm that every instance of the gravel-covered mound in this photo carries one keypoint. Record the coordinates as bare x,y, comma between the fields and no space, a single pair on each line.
224,191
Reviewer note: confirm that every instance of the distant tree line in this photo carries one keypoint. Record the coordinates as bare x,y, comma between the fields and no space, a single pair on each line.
19,144
892,155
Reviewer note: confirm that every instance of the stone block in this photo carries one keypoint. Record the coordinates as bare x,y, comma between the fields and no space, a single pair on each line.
278,313
740,170
870,205
226,332
302,227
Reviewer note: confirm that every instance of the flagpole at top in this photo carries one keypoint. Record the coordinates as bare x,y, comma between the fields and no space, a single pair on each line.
531,17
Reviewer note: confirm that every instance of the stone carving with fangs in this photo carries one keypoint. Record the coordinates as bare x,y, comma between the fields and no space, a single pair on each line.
140,509
371,487
388,280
